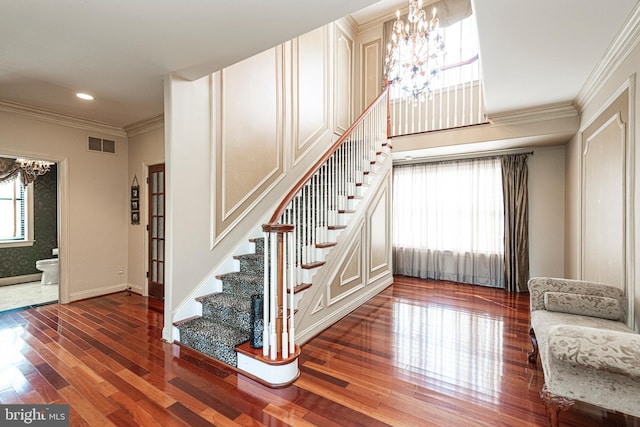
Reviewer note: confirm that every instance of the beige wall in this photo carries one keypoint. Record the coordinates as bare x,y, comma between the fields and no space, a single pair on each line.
546,211
236,142
146,148
93,200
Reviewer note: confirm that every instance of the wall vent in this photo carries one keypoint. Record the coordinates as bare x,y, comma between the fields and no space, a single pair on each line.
102,145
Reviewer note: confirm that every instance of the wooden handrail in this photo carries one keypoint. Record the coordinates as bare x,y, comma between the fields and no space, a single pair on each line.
303,181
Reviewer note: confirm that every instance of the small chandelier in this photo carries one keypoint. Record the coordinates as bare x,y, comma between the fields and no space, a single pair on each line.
34,167
415,52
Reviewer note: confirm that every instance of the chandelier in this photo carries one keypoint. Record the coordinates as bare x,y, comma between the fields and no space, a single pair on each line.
34,167
415,52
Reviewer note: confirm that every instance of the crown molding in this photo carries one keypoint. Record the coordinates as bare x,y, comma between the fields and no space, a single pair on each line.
535,114
617,52
144,126
44,115
350,23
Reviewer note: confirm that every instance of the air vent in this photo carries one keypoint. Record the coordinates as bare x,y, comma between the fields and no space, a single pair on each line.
102,145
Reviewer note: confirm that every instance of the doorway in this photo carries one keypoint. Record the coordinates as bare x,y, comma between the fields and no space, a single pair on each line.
156,223
29,230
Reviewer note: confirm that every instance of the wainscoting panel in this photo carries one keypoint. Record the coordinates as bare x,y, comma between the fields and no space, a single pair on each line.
247,136
343,80
310,74
604,203
379,231
350,276
371,72
604,195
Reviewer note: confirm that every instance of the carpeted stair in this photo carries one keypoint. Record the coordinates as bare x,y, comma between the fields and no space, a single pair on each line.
226,316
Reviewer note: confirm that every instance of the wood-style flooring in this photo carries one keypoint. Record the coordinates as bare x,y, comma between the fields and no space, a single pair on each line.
420,353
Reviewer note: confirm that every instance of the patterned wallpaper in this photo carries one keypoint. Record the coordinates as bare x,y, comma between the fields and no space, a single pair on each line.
21,261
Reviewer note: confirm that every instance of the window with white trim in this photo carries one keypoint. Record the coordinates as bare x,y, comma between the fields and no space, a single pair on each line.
16,213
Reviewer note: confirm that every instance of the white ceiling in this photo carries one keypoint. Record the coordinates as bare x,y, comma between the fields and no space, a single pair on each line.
541,52
532,53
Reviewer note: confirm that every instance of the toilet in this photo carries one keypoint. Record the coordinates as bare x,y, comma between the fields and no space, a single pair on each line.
50,269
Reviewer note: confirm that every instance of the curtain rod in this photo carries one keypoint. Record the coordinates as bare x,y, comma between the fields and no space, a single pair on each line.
463,156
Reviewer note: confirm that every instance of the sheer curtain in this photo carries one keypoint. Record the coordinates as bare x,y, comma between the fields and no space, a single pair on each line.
448,221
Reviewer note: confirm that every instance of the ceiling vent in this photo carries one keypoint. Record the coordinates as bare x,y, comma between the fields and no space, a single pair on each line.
102,145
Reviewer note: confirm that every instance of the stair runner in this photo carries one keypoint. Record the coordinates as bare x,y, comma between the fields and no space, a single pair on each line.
226,317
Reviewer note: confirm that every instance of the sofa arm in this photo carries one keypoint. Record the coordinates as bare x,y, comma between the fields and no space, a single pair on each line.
610,351
538,286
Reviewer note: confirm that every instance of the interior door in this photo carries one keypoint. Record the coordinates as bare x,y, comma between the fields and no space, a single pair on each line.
156,230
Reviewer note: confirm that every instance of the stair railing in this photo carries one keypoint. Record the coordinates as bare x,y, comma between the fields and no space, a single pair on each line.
309,218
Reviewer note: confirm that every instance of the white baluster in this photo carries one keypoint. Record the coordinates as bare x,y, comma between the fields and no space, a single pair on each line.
265,305
292,285
273,300
285,334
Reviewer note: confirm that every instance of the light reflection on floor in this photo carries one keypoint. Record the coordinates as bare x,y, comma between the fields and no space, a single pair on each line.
26,294
457,347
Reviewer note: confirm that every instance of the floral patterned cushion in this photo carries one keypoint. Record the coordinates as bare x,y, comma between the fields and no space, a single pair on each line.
585,305
608,351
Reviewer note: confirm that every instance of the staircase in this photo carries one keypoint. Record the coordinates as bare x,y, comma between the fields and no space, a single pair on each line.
226,320
298,237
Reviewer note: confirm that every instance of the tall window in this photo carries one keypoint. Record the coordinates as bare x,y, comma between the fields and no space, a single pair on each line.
448,221
461,63
15,210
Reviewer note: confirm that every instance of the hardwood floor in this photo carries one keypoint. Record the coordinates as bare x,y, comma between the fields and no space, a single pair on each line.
420,353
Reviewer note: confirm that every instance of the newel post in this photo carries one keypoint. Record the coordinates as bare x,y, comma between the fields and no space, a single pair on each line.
278,253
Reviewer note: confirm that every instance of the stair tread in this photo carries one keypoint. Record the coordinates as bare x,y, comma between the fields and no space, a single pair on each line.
242,276
237,302
227,335
248,256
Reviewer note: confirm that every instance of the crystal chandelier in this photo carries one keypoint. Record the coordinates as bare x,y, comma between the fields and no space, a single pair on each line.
34,167
415,52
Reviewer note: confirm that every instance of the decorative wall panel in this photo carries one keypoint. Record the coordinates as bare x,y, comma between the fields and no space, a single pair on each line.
379,236
350,276
604,205
248,136
371,72
310,89
343,80
605,195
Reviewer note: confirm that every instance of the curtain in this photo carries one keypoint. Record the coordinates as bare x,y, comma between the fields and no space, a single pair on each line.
516,222
448,221
9,170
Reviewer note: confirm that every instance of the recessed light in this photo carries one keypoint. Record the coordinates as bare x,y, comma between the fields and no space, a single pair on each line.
84,96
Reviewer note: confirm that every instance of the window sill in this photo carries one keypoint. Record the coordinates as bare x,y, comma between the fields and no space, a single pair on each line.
16,243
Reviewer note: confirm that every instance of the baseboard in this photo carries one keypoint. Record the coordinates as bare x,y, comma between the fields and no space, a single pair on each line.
75,296
20,279
136,288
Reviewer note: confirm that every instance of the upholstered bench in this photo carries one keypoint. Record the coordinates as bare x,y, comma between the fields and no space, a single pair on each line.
588,352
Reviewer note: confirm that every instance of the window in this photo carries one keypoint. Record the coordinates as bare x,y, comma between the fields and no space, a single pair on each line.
448,221
16,214
461,63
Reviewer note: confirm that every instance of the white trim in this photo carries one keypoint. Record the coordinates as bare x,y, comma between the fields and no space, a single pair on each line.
5,281
617,52
535,114
16,243
60,119
144,126
91,293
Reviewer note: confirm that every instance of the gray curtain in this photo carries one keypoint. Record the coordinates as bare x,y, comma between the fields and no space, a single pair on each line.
516,222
